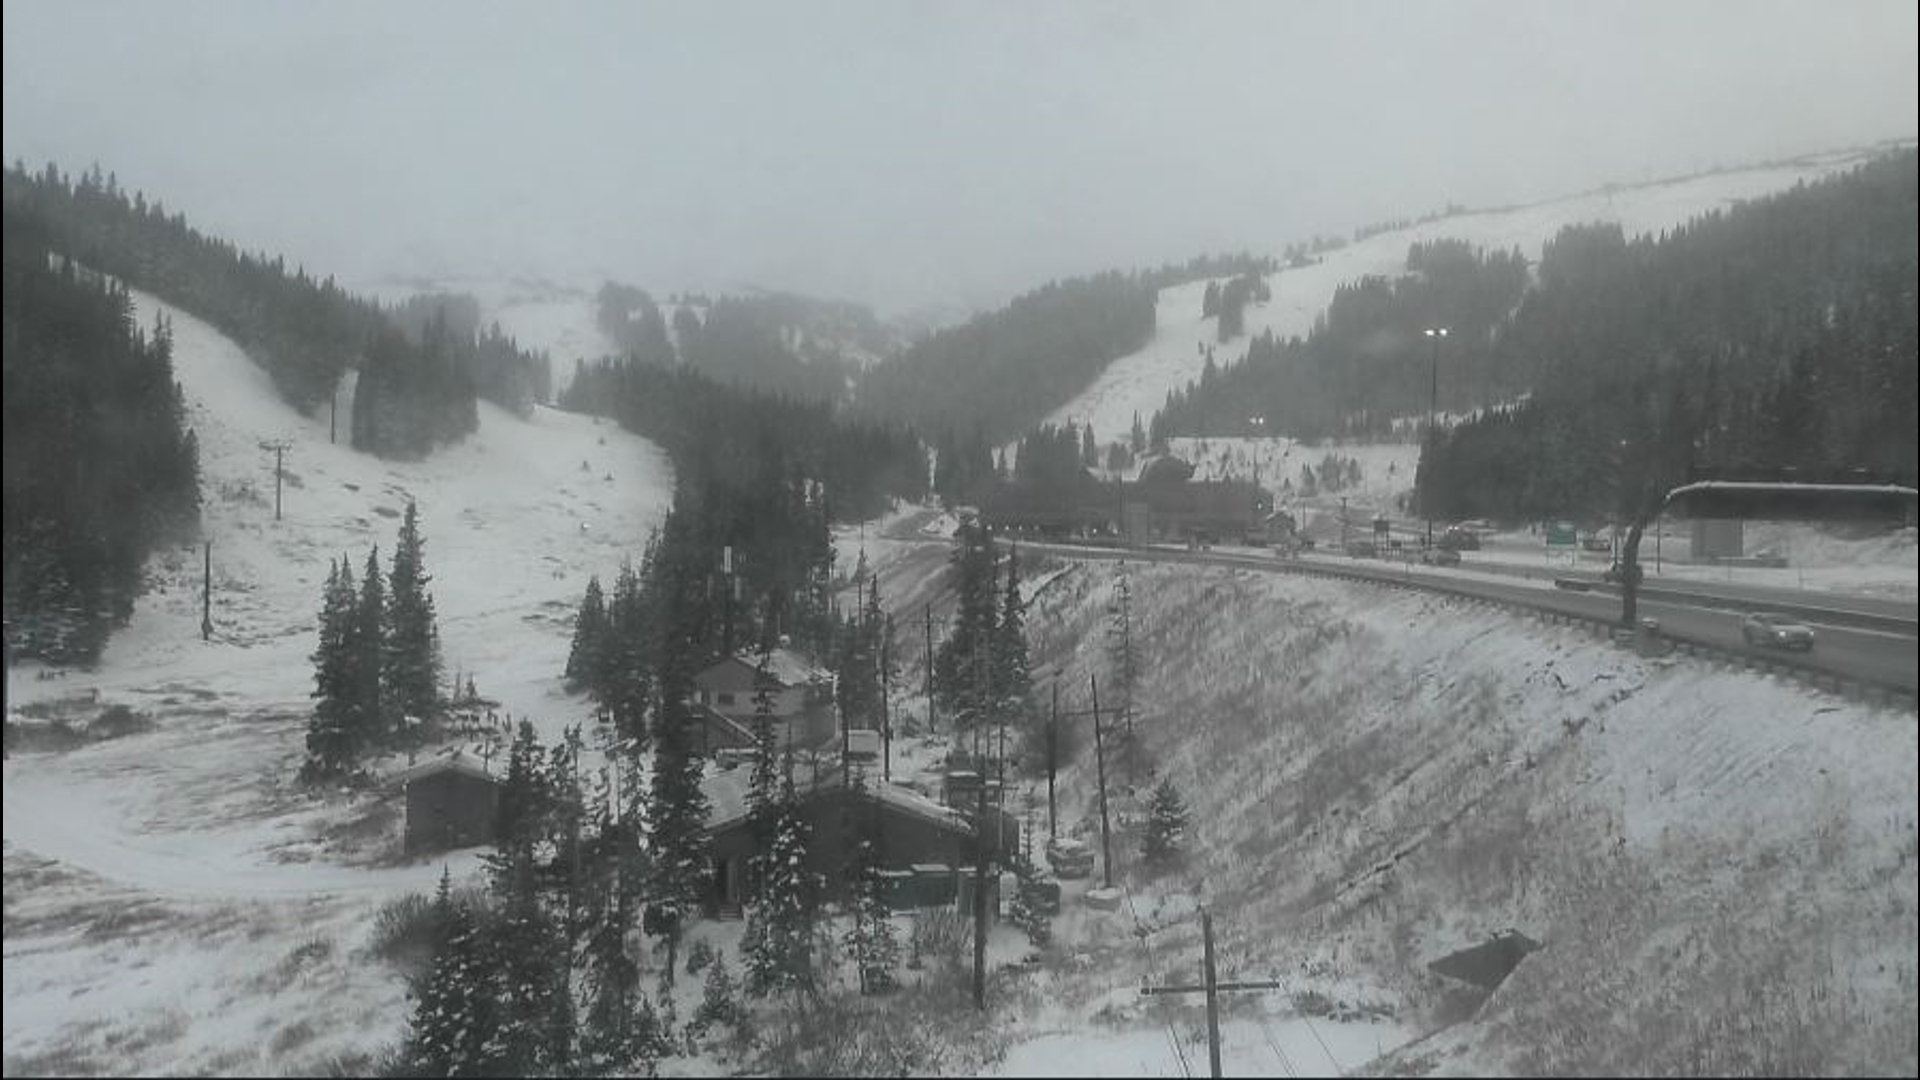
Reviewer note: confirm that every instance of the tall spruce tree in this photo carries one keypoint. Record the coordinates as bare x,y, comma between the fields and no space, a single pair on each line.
591,639
456,1006
368,646
1166,829
1029,908
966,653
779,938
625,679
678,805
412,654
333,736
870,942
1012,672
763,786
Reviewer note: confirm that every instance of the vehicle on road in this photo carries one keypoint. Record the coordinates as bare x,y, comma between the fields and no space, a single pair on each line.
1459,538
1597,542
1773,629
1440,556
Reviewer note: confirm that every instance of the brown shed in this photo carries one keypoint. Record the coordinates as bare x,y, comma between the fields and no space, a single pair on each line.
452,801
913,829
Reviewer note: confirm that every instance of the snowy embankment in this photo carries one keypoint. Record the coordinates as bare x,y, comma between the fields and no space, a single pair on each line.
1139,382
174,902
1721,866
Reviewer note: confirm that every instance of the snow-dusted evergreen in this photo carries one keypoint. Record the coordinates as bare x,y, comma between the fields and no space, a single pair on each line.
779,939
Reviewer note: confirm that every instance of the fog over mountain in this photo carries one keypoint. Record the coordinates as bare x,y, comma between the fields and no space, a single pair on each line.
911,154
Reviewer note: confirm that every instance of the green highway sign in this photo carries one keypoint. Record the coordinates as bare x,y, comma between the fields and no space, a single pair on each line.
1561,534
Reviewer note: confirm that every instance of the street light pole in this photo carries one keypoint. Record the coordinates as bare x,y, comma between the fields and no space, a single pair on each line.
1434,334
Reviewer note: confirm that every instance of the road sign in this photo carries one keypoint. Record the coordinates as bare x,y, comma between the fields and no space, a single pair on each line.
1561,534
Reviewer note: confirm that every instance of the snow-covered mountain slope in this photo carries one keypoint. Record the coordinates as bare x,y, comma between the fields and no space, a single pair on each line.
1139,382
555,318
220,909
515,518
1719,863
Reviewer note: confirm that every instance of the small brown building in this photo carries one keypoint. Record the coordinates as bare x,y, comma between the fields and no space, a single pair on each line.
452,802
913,830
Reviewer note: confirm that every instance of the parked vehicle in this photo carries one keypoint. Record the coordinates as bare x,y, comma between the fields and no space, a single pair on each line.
1772,629
1362,549
1069,858
1440,556
1459,538
1597,542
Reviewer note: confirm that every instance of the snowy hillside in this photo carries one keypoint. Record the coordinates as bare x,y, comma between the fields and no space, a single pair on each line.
1140,381
186,908
1720,865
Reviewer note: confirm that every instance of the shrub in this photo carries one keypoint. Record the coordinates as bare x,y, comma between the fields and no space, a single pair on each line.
117,720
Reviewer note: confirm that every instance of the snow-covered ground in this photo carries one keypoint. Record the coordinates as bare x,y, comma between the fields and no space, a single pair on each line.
1139,382
174,903
1719,864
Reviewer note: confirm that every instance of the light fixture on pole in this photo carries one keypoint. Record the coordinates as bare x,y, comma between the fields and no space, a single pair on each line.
1434,334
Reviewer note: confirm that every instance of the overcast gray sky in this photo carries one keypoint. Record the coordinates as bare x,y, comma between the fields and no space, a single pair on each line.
911,152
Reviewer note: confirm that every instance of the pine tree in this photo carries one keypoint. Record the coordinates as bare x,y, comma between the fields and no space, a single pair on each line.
591,640
966,653
1012,673
1124,659
533,1032
1137,438
333,737
368,646
412,656
763,787
1029,905
678,806
521,821
778,941
719,999
624,679
616,1036
456,1004
1166,825
871,943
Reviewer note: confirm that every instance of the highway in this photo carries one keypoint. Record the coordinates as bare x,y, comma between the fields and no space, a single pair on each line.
1703,612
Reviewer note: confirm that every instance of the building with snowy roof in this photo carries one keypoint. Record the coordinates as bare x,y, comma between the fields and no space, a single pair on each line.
914,835
452,801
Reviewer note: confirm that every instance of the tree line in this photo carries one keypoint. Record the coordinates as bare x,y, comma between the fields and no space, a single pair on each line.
306,332
100,467
1002,372
1366,361
1776,335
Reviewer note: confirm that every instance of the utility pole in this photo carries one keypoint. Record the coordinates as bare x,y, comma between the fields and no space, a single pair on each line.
1212,986
1100,762
1434,334
206,597
733,586
1343,524
333,414
929,667
1053,754
980,900
279,448
1213,996
886,714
